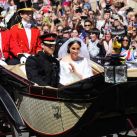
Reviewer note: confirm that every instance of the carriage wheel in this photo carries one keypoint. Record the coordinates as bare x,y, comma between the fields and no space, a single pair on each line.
7,128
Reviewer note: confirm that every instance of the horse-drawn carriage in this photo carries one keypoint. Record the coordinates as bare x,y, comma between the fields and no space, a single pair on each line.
88,108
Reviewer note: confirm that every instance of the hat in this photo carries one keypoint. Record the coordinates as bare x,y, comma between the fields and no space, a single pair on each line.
67,29
49,38
24,6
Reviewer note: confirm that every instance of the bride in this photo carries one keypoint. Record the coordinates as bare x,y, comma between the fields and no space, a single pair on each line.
74,66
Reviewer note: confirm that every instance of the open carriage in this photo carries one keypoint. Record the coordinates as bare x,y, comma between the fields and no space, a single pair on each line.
88,108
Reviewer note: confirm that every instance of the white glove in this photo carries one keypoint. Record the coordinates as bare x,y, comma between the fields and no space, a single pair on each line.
23,60
2,62
26,55
2,25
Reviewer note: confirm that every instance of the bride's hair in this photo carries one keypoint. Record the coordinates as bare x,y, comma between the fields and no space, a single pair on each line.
71,43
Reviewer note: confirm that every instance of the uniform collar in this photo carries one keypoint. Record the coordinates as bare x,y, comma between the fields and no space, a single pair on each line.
49,57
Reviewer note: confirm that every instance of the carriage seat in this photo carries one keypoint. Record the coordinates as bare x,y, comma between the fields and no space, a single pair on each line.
18,69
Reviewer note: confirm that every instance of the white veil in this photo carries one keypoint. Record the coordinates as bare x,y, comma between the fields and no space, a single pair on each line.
83,50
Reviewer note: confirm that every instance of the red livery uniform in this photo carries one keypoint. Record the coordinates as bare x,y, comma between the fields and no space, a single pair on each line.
5,44
18,35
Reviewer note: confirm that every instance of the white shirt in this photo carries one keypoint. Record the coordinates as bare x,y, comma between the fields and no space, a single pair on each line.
93,49
27,28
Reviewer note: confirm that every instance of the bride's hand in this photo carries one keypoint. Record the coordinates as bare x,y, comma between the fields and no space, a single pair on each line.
72,69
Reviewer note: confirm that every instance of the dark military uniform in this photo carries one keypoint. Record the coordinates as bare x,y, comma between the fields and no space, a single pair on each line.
43,69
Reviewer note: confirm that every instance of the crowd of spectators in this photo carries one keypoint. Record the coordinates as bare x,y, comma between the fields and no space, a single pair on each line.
76,18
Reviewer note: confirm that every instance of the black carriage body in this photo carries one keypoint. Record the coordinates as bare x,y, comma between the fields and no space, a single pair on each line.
97,108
